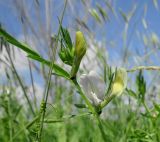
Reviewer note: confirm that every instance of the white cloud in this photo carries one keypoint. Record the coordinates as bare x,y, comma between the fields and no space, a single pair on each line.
19,57
91,61
19,60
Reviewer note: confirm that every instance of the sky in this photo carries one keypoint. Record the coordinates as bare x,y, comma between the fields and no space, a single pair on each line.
110,32
9,18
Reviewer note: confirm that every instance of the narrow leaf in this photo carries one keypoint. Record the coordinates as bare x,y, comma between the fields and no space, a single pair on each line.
32,54
56,68
15,42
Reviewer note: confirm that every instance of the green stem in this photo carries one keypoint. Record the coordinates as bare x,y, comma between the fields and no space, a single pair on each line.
104,136
75,67
106,101
10,120
144,68
32,82
49,78
20,82
92,109
66,118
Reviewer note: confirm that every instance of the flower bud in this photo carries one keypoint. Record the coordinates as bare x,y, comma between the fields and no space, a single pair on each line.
120,82
80,45
80,50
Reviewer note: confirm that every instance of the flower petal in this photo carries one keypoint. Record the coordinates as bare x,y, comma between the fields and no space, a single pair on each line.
98,85
95,99
93,87
120,82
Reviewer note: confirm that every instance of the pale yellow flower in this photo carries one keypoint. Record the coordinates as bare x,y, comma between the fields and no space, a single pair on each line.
120,82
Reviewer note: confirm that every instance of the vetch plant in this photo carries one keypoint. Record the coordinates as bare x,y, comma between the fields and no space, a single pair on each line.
56,118
94,87
95,92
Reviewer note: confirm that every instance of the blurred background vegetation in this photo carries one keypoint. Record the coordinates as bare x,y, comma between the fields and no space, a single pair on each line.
118,33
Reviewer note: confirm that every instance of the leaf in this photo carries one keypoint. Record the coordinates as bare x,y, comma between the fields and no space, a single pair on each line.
131,93
32,54
15,42
66,37
57,69
66,52
141,85
157,107
110,77
80,105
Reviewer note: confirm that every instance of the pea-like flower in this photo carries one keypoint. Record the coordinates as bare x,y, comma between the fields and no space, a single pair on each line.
120,82
94,87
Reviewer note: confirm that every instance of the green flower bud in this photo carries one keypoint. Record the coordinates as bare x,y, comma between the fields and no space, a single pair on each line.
80,50
120,82
80,45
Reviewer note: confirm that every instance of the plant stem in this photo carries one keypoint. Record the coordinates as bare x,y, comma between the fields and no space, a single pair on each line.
144,68
49,78
10,119
106,101
92,109
104,136
32,82
20,81
66,118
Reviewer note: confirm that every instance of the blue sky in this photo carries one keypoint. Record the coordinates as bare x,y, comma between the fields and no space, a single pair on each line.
109,31
9,18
